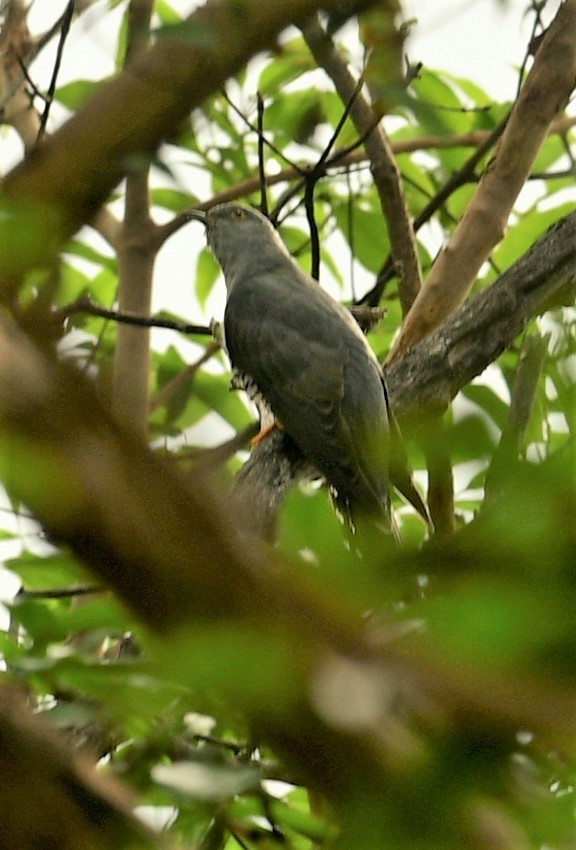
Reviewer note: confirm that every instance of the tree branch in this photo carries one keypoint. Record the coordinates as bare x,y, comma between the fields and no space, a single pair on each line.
427,378
382,163
136,259
54,798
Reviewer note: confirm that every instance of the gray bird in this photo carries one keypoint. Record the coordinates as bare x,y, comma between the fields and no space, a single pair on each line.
299,350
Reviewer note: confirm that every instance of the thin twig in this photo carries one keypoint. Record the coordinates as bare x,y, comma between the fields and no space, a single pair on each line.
65,29
318,171
167,391
59,592
340,162
261,157
84,304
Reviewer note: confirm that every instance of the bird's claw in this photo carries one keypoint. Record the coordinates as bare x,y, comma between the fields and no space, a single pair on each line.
217,331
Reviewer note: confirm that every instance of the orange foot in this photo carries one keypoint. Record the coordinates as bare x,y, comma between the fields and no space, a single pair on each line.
263,433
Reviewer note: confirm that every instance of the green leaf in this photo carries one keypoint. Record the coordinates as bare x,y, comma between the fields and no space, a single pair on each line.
293,61
172,199
526,232
214,391
207,273
489,401
87,252
75,94
49,572
167,14
366,233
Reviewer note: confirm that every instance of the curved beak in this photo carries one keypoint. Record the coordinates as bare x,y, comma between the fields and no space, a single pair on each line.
195,215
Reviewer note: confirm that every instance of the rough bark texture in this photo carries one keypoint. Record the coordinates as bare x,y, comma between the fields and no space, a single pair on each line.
428,377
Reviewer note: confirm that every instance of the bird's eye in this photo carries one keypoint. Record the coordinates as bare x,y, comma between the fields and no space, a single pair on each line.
238,214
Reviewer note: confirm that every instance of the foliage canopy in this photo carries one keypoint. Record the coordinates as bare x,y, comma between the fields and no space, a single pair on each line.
251,695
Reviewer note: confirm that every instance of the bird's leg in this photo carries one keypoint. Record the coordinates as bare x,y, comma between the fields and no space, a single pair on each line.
265,429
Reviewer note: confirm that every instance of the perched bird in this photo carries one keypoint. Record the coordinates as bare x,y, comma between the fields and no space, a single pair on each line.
302,356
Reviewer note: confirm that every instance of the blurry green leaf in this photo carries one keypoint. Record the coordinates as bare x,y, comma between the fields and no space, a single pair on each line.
49,572
207,273
384,45
74,95
87,252
252,666
214,391
167,14
293,61
369,239
192,31
171,199
522,235
490,402
72,284
491,622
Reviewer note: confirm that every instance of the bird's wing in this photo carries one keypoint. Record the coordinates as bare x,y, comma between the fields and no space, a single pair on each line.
311,368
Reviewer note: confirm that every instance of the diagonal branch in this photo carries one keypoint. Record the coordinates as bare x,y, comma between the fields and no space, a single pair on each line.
427,378
382,162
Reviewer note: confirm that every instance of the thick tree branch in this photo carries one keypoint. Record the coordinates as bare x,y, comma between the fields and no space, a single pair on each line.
429,376
544,95
52,798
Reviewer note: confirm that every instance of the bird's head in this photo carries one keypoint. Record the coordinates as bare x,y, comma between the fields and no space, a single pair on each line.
238,236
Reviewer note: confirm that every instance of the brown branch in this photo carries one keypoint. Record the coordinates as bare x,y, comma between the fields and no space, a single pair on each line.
440,493
459,178
17,107
382,163
136,259
84,304
426,379
544,95
52,797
